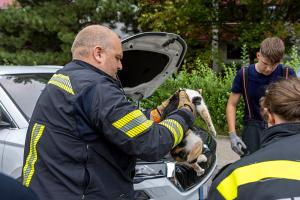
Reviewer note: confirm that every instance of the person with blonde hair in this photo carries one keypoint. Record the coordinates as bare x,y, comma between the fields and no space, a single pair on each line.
272,172
250,82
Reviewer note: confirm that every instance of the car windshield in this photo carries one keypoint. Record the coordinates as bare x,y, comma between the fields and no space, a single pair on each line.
25,89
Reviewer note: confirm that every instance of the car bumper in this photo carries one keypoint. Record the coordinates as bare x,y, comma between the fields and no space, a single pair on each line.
164,189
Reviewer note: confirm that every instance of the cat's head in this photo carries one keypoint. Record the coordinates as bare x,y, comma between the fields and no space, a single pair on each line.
195,96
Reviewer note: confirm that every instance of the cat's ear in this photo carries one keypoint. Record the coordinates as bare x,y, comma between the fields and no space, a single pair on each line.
200,91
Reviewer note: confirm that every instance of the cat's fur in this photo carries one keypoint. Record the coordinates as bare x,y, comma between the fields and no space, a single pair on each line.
190,150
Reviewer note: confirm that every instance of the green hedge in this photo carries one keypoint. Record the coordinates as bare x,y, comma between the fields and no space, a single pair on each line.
215,88
215,91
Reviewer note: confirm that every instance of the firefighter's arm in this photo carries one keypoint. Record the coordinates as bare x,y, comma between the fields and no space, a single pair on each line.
146,139
124,125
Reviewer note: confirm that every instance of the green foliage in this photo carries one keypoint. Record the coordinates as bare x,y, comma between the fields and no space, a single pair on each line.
215,91
42,31
294,60
245,55
241,22
215,88
190,19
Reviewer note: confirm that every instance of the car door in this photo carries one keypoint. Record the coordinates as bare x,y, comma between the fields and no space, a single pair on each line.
19,92
4,130
13,128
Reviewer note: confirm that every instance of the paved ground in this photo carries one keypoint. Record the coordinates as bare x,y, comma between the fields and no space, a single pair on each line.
224,153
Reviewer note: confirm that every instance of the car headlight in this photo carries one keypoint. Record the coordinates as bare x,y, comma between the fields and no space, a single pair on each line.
149,170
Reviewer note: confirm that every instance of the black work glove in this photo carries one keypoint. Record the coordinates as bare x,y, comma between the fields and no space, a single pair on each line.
179,100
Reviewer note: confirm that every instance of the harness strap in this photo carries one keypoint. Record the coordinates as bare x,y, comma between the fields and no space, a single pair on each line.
285,72
245,85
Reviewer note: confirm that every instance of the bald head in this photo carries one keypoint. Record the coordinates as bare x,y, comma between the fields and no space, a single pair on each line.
100,47
89,37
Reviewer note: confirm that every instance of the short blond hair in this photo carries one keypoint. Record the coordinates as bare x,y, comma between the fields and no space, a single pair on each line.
273,49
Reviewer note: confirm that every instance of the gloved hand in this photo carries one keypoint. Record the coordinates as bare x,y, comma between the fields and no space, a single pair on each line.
178,100
237,145
158,113
161,108
185,102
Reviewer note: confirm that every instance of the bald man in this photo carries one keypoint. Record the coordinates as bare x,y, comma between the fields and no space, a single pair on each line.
84,135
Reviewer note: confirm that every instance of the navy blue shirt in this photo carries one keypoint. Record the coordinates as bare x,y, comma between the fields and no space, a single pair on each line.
257,84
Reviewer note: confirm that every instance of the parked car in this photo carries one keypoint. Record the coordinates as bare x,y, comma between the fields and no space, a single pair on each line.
149,59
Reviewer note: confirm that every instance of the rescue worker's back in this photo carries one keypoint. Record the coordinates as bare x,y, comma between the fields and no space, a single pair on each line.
272,172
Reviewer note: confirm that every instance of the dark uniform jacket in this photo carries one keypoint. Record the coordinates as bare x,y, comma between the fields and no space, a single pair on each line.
11,189
84,137
273,172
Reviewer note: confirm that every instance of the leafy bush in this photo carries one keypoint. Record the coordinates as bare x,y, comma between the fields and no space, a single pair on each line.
215,91
294,60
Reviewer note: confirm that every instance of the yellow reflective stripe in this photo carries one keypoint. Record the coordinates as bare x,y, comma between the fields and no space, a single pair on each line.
175,128
62,82
140,128
127,118
133,123
62,86
281,169
179,127
63,77
25,175
173,131
28,169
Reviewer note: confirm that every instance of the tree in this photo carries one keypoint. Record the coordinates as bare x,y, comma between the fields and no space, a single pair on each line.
257,19
191,19
41,31
239,21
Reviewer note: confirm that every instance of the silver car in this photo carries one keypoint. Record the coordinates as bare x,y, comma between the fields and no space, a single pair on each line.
149,59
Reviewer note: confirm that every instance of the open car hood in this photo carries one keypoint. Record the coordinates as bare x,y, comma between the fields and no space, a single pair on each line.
148,60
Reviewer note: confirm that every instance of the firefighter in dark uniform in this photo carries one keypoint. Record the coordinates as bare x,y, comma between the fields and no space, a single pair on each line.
85,136
273,172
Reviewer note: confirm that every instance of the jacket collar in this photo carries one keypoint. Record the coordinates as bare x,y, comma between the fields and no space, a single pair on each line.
280,130
89,66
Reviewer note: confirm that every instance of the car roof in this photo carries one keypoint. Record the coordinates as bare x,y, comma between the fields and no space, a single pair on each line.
28,69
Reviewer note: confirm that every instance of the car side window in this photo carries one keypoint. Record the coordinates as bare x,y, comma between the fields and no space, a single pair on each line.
4,120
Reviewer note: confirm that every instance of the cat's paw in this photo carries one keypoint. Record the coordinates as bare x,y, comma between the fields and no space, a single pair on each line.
202,158
200,171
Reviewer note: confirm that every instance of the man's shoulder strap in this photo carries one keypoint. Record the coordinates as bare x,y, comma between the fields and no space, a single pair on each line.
245,86
285,71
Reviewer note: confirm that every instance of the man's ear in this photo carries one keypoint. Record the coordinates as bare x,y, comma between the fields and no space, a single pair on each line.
257,55
271,119
97,54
